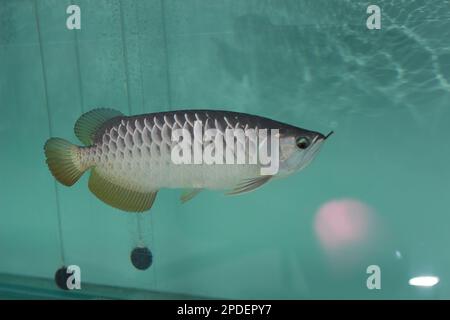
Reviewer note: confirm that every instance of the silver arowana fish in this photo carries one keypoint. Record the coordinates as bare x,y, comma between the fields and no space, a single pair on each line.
130,156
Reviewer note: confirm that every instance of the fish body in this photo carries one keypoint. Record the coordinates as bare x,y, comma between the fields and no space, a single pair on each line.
132,157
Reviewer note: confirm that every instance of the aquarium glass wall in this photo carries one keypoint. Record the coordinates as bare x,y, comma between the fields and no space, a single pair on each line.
369,214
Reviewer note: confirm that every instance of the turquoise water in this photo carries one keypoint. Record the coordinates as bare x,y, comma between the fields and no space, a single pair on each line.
377,194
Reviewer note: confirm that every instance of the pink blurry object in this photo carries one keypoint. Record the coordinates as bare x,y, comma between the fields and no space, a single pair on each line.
343,223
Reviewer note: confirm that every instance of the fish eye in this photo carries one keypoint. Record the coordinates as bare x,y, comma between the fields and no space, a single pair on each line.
302,142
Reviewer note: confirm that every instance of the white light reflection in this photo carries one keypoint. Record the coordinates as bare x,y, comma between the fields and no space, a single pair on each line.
424,281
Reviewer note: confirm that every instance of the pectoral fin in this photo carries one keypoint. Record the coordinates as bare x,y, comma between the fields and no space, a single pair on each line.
188,194
118,196
248,185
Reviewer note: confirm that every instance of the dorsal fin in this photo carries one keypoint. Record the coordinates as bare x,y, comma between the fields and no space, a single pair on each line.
87,125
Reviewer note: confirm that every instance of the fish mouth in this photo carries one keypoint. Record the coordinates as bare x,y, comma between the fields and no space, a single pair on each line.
316,144
310,154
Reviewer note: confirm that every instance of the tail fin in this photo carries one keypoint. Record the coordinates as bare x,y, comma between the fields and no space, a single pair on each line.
63,160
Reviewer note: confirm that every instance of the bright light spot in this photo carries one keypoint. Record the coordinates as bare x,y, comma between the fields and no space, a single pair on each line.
424,281
398,254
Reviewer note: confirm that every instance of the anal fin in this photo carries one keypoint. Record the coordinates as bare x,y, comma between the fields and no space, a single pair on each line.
118,196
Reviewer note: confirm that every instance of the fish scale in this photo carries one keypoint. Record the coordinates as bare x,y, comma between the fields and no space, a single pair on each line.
158,145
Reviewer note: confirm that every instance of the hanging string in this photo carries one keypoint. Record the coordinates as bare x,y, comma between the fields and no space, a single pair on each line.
78,63
50,129
140,239
142,217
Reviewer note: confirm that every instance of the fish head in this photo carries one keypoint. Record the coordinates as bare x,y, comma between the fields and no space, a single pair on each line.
298,147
